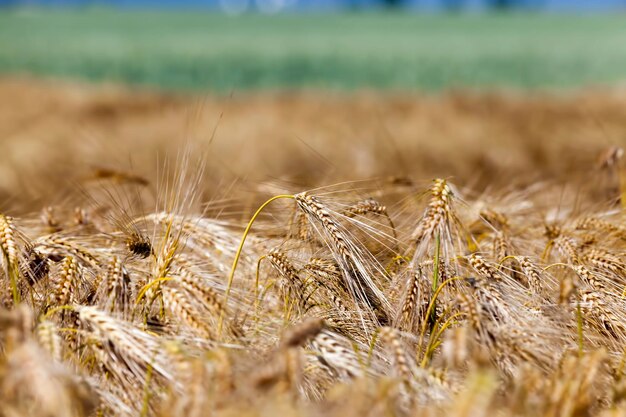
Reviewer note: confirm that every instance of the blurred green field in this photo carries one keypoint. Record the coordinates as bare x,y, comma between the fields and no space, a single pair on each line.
197,50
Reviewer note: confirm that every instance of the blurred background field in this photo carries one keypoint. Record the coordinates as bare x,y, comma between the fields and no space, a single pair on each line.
490,94
199,50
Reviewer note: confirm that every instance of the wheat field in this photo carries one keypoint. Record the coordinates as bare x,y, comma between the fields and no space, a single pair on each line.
309,254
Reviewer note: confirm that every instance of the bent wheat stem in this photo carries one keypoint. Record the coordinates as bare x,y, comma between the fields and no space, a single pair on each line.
555,264
431,305
231,276
506,258
436,340
55,310
149,285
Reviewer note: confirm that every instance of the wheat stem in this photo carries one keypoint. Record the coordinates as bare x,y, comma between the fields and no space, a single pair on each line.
579,326
147,287
431,305
231,276
433,313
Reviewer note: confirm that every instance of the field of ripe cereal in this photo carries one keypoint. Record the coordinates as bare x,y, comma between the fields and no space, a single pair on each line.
275,251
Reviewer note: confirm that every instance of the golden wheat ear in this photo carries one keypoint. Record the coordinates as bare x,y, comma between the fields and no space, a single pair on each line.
10,256
337,354
359,270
